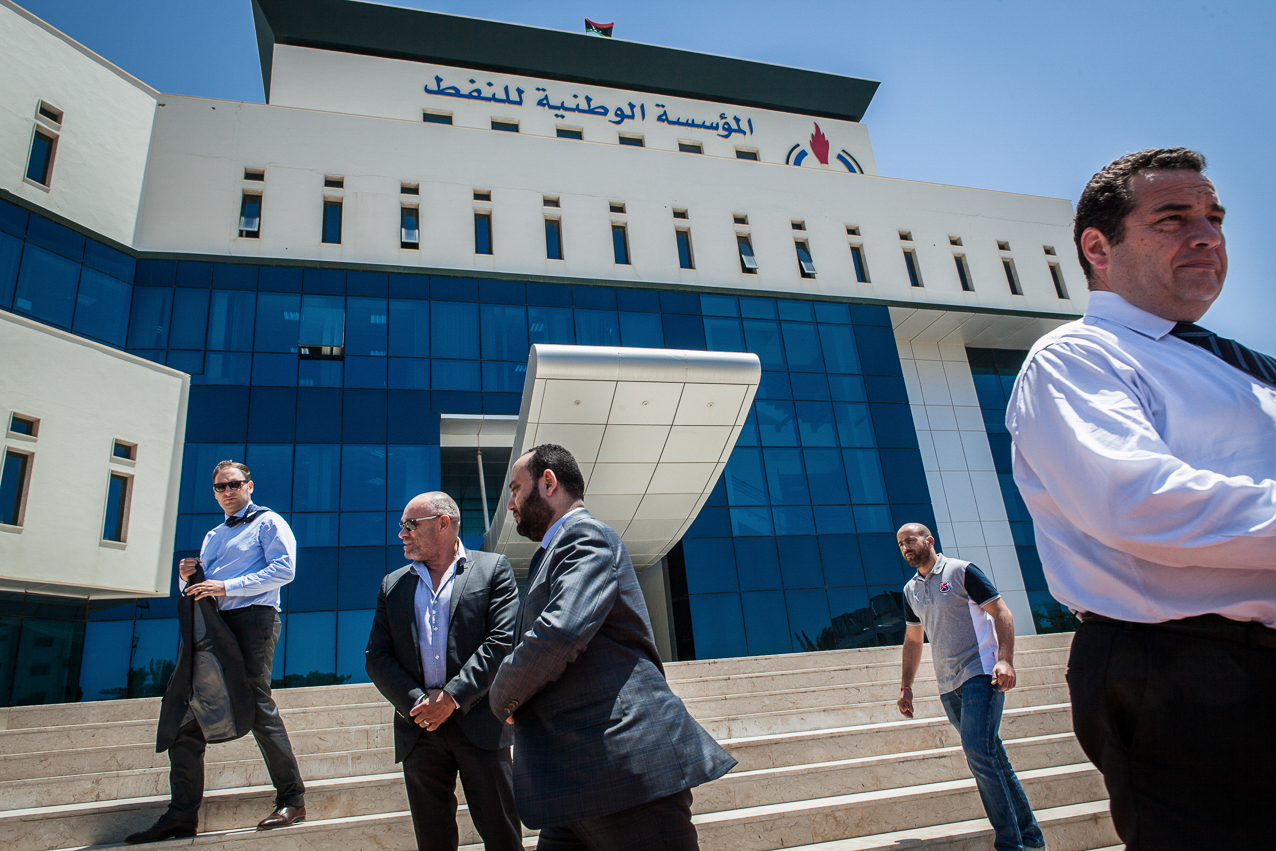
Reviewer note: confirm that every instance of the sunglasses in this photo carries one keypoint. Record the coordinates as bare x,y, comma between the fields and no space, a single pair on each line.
410,524
220,487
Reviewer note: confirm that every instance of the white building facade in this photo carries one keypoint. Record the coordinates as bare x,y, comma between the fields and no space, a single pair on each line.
352,276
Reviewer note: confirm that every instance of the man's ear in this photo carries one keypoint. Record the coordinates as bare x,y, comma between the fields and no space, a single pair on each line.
1096,248
550,481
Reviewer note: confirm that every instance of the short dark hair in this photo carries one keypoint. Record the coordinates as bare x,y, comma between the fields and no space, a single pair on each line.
222,465
551,456
1106,200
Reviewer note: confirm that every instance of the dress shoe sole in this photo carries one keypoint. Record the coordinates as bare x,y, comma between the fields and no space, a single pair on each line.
281,824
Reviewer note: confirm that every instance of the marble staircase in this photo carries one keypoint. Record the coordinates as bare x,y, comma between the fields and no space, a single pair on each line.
826,764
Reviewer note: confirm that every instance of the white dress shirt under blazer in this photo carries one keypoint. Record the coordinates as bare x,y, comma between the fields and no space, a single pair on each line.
1149,467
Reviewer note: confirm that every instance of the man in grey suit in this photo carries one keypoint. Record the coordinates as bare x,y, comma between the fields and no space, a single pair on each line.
442,626
606,754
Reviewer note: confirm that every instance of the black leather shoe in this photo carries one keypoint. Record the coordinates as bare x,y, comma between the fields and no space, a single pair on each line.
166,828
282,817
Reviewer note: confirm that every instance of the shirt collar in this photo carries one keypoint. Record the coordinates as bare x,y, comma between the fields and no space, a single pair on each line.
553,530
1112,308
936,570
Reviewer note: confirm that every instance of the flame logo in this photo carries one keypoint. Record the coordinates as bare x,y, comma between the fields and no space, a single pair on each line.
820,146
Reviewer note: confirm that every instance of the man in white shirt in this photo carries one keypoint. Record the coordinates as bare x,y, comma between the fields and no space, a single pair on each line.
1145,449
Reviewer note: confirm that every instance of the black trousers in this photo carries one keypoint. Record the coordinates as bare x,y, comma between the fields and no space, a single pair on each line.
429,772
1183,729
660,825
256,628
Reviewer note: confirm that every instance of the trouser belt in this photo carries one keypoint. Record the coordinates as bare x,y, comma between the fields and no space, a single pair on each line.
1214,627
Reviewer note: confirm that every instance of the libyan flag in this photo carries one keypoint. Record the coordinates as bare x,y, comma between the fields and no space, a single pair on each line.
603,30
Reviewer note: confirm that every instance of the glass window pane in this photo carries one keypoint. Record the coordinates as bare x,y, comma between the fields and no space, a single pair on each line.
759,568
809,620
41,156
722,334
838,342
854,424
319,373
826,477
482,233
230,320
800,562
776,422
718,625
793,519
278,321
757,308
409,328
148,326
786,477
684,249
315,529
719,305
642,330
332,222
751,521
272,474
864,475
311,658
815,422
352,638
409,374
154,653
454,331
766,622
550,325
363,478
10,256
104,671
323,320
190,319
225,368
411,470
553,239
102,307
620,245
454,374
597,328
316,480
834,519
504,332
763,339
504,377
366,326
710,565
802,346
873,518
746,482
46,286
12,483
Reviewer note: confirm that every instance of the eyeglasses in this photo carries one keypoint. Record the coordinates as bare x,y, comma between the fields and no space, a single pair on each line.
220,487
410,524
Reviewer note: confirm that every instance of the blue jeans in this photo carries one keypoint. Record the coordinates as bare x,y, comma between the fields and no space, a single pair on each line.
974,708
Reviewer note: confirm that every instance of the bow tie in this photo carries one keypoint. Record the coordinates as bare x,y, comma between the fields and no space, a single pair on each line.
246,517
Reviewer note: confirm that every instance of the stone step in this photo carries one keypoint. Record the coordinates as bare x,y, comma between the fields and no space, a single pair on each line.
41,827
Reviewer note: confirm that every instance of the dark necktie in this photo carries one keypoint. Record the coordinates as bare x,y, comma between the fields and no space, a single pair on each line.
1257,364
246,517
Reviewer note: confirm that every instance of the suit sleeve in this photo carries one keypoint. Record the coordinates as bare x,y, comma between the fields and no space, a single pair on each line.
583,584
475,676
391,678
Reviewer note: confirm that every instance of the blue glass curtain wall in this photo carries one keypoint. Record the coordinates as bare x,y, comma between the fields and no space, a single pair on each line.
794,551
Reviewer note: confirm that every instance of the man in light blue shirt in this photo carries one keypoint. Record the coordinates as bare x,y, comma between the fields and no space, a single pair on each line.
242,564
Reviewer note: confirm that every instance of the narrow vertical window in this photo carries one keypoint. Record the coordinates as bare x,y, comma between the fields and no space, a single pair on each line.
250,216
748,263
1012,277
409,227
861,267
914,273
620,244
963,273
1056,275
114,528
40,163
13,487
482,232
332,221
685,260
553,239
806,268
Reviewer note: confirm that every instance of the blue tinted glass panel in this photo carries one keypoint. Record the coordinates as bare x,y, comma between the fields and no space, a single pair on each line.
283,279
864,475
853,620
409,328
679,302
46,286
710,565
550,325
332,221
799,311
272,474
838,342
409,374
758,564
719,305
854,424
365,284
363,479
10,255
102,307
482,233
363,529
597,328
230,320
711,522
834,519
364,416
775,385
227,276
793,520
639,301
362,569
198,461
104,670
41,158
810,385
194,275
411,470
148,326
642,330
13,219
763,339
317,477
883,564
751,521
718,625
315,530
802,346
12,479
190,319
502,292
840,555
278,321
191,363
809,620
619,245
548,295
453,289
318,592
312,647
800,561
225,368
56,238
598,298
117,264
815,423
886,388
454,374
826,477
352,638
504,332
503,377
833,313
877,350
323,320
454,331
365,372
154,645
684,248
275,370
785,477
746,481
319,373
766,622
683,331
873,518
723,334
113,528
367,324
757,308
776,422
847,388
893,425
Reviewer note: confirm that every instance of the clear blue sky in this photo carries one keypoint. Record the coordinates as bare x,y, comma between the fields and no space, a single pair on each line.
1029,97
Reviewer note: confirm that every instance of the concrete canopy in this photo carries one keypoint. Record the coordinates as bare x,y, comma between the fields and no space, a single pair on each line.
652,430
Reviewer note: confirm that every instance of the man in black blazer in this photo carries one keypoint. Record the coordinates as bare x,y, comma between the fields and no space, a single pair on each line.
606,755
443,625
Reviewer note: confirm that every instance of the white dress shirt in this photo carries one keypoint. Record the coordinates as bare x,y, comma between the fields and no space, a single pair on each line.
433,612
254,559
1149,467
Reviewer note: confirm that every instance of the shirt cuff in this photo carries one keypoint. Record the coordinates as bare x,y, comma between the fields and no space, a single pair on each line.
233,586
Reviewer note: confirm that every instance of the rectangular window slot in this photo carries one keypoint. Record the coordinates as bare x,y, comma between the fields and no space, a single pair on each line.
570,133
40,164
553,239
507,126
1003,246
740,219
436,117
616,207
1048,249
334,182
914,271
680,214
1012,277
954,240
256,174
685,260
1056,275
805,266
409,227
482,195
482,232
797,225
250,216
13,487
745,154
124,449
29,426
963,273
321,352
549,201
409,189
852,230
632,141
861,267
690,147
50,113
906,236
748,263
332,221
620,244
115,527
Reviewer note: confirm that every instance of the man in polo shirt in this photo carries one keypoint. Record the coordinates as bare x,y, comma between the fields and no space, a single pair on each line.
972,640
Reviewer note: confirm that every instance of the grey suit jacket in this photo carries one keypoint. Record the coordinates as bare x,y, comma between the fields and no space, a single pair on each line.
480,632
596,728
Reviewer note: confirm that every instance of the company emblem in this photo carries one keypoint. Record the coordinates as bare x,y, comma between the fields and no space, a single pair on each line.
945,587
818,146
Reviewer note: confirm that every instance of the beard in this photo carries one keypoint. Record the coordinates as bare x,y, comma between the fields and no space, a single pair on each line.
534,516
